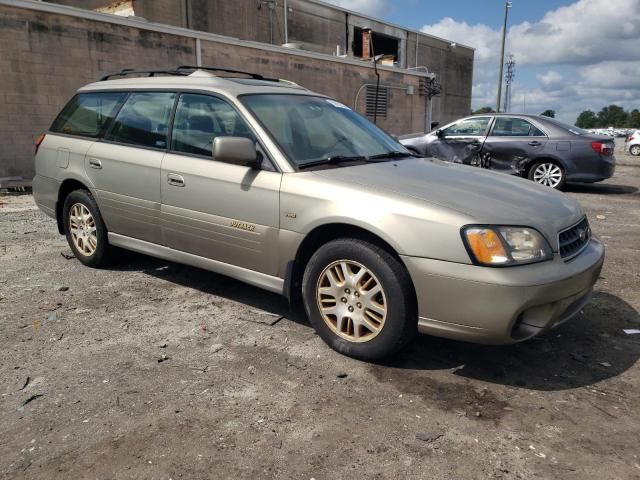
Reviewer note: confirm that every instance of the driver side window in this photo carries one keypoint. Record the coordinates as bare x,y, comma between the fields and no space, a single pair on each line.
469,127
200,119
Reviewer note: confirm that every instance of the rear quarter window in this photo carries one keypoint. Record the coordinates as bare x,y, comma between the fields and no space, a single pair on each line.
88,114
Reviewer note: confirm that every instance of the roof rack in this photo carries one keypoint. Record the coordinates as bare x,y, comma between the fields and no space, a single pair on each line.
149,73
184,70
255,76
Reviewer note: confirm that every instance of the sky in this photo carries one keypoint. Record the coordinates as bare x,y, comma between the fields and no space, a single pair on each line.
570,55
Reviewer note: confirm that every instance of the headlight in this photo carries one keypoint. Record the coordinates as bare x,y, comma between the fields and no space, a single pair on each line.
502,246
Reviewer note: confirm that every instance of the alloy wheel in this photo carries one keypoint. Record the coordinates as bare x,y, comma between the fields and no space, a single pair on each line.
351,301
635,150
82,226
548,174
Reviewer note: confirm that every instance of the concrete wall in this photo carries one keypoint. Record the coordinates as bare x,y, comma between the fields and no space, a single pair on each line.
47,56
318,27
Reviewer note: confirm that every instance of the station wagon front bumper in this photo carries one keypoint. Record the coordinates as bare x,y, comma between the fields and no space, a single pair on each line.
502,305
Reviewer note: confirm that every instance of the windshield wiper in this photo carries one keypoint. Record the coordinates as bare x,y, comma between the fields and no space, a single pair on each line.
334,160
392,154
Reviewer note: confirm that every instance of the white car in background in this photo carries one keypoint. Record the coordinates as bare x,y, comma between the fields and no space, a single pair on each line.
632,145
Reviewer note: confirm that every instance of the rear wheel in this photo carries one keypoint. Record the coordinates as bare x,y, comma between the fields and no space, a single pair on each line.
635,150
85,231
547,173
359,299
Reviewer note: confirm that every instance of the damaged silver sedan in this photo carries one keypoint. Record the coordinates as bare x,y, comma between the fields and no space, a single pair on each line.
539,148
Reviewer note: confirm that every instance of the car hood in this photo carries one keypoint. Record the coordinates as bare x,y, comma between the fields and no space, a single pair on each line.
487,197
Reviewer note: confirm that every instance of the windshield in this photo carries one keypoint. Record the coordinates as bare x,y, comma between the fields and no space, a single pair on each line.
573,129
311,130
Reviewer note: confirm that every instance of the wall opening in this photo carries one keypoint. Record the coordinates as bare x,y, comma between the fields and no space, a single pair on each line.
382,44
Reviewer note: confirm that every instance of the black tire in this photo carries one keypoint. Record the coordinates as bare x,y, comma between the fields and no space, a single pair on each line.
635,150
563,177
400,325
103,253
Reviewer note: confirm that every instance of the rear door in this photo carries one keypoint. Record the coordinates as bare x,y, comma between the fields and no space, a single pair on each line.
462,141
125,167
511,145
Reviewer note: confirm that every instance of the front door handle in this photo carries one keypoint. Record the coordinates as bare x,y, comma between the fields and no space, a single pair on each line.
535,143
175,180
95,163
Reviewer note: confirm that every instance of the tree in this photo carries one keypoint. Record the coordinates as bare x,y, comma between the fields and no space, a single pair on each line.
483,110
612,116
633,120
549,113
587,119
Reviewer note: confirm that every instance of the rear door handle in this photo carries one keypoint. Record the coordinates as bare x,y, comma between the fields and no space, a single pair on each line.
95,163
535,143
175,180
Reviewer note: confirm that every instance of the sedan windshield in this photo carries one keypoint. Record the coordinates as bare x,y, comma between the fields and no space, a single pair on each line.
315,130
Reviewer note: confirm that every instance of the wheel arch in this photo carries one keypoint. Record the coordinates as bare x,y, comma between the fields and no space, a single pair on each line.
320,235
67,186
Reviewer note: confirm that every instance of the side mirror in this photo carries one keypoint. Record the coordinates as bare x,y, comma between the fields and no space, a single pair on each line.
235,150
439,132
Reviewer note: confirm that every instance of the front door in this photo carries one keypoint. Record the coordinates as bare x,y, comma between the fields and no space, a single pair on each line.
462,141
511,144
125,167
212,209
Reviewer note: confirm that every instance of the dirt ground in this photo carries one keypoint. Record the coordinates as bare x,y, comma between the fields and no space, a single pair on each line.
156,370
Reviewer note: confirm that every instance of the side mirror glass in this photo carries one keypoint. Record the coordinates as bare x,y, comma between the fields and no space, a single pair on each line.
235,150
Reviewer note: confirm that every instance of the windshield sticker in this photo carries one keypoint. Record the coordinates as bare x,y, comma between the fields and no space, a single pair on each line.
337,104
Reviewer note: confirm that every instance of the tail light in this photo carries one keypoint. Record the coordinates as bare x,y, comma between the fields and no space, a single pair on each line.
39,140
602,148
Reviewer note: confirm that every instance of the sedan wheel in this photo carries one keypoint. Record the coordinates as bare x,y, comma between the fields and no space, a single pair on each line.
635,150
547,174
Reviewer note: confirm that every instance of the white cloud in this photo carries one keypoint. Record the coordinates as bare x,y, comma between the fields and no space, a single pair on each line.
550,79
374,8
596,44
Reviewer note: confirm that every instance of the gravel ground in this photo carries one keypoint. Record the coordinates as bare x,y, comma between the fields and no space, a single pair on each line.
155,370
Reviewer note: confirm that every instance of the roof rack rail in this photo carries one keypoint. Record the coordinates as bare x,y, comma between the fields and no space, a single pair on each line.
255,76
149,73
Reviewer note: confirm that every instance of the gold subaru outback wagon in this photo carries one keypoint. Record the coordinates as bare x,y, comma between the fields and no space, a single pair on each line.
264,181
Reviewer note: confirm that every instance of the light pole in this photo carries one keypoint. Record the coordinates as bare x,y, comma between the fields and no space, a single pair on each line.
507,6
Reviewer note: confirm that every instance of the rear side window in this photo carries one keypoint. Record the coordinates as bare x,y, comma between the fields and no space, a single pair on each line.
88,114
143,120
200,119
514,127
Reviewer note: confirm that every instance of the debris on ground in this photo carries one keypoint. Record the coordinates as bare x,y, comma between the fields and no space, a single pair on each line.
163,358
342,375
26,382
216,347
428,437
63,289
631,331
50,307
67,256
32,398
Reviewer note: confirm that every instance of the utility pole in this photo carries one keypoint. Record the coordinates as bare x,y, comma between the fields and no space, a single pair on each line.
508,78
507,6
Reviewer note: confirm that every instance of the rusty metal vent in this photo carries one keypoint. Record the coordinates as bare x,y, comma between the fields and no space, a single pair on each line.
380,108
574,240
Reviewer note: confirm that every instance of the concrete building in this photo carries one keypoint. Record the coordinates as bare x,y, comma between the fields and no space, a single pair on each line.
52,48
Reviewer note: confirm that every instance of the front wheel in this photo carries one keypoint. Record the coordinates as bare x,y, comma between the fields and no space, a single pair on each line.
359,299
548,173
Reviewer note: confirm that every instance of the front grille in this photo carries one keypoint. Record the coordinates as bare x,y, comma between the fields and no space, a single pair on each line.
574,239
